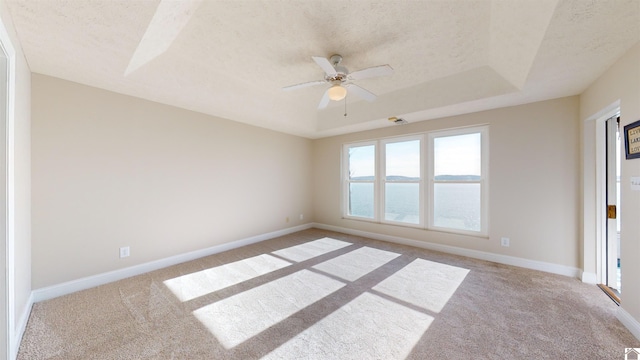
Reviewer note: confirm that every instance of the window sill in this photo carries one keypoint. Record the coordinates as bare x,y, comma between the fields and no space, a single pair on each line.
477,235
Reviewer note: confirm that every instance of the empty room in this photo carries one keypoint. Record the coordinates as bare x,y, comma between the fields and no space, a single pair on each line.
321,179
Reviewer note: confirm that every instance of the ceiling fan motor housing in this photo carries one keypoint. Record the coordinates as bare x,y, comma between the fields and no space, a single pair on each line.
340,76
341,71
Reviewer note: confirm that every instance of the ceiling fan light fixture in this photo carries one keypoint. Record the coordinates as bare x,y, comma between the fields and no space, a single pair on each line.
337,93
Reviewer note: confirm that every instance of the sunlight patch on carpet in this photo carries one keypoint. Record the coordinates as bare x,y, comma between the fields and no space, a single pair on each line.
191,286
311,249
357,263
424,283
240,317
368,327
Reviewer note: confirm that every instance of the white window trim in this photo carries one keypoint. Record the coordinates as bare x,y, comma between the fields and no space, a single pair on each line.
346,181
427,179
484,180
383,179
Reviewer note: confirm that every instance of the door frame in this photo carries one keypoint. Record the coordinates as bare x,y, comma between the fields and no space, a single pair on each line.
610,243
7,240
594,193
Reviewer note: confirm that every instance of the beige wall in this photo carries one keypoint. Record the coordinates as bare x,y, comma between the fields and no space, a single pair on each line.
22,181
111,170
534,181
621,83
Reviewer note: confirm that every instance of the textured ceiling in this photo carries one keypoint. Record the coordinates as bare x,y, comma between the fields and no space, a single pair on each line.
231,58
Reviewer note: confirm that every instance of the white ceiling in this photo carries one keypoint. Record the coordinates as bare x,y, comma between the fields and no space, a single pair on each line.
231,58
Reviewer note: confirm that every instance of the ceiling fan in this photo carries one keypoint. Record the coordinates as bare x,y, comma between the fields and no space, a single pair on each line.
340,79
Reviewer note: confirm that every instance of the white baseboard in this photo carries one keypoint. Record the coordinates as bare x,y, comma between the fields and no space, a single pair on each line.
476,254
91,281
629,322
589,278
69,287
21,326
53,291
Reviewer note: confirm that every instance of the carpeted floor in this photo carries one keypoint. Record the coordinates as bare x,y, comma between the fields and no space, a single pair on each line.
323,295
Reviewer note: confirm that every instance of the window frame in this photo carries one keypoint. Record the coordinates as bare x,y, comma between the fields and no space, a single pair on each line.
347,180
383,179
427,179
484,179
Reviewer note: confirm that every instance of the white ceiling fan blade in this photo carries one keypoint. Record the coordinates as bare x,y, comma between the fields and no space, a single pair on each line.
324,101
363,93
375,71
304,85
325,65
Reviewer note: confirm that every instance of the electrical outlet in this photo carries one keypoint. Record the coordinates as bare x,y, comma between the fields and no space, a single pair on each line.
287,219
124,252
504,241
301,216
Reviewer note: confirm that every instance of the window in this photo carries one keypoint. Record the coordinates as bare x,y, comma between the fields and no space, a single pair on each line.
457,175
385,181
361,176
402,181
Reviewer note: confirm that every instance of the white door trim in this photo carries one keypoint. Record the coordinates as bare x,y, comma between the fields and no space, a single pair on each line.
611,244
9,50
594,202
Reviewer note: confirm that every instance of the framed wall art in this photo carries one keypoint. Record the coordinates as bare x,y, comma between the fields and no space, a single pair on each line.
632,140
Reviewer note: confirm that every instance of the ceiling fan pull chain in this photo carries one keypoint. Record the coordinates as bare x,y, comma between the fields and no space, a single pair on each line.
345,106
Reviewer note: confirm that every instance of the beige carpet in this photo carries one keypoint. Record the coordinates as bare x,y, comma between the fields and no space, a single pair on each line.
323,295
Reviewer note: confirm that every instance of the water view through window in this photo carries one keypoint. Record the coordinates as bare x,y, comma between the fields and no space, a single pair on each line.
397,180
362,170
361,200
457,206
402,181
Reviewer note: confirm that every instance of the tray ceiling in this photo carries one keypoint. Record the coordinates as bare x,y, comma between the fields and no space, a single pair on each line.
230,59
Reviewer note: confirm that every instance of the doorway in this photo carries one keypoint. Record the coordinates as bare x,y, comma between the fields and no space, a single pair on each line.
611,274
